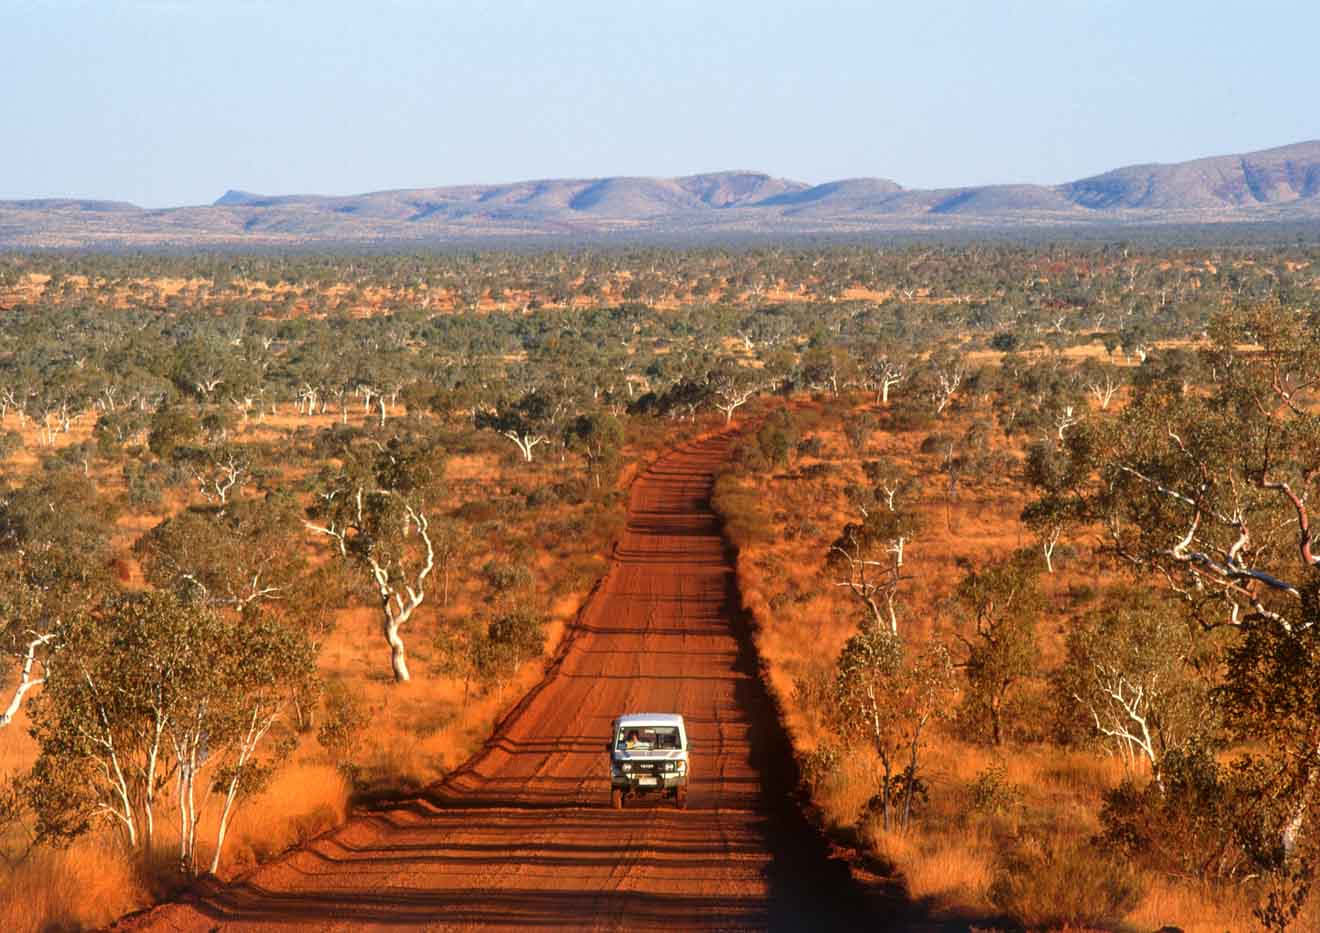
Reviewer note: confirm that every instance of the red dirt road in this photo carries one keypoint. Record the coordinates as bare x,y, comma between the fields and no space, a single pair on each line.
523,836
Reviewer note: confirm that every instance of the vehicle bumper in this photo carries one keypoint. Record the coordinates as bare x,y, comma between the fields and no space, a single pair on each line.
646,784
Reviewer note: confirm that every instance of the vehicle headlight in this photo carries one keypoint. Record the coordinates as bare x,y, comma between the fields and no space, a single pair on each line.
625,767
680,767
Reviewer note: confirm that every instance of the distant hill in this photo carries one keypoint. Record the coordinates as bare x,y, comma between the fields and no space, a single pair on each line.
1273,176
1279,185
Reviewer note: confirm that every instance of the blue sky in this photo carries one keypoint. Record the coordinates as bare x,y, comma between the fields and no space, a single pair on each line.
166,102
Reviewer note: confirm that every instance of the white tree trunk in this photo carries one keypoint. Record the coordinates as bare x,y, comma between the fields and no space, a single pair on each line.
1292,831
257,727
525,443
26,681
149,789
1049,540
395,608
398,652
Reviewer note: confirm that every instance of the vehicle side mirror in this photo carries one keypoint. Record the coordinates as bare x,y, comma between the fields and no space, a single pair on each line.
608,747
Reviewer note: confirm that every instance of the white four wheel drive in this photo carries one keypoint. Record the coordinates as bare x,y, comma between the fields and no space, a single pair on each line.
648,755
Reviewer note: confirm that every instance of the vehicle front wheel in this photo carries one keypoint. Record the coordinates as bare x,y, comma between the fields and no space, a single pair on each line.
616,798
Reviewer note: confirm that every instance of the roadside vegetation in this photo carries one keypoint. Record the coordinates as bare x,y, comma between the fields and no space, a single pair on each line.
1025,534
1046,657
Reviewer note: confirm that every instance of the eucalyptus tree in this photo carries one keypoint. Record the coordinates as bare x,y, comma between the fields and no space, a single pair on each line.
684,398
27,640
379,371
598,436
171,429
203,364
54,558
237,558
947,369
1102,381
528,422
376,506
221,470
891,485
116,429
767,328
885,371
828,365
732,386
149,690
62,394
867,556
1060,471
1131,667
267,668
1000,605
311,370
886,699
1208,488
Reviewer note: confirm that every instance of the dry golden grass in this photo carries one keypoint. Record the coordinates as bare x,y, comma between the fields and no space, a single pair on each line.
1193,908
949,872
302,801
86,885
17,749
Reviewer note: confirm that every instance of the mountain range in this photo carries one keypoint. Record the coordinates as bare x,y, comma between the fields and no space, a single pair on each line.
1278,185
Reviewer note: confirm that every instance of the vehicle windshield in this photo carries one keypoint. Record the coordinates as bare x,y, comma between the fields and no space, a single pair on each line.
648,737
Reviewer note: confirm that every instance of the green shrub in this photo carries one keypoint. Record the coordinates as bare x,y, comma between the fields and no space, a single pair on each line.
142,487
747,456
813,689
308,826
810,447
991,793
820,766
11,442
344,719
858,432
512,638
541,496
778,439
937,443
1209,821
502,576
746,521
910,414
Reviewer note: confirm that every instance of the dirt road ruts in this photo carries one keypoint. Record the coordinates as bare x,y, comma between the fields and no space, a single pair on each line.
523,835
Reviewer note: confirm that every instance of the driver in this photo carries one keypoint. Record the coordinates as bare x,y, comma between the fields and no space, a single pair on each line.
631,740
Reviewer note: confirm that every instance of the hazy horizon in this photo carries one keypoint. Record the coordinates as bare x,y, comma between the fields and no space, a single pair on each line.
173,102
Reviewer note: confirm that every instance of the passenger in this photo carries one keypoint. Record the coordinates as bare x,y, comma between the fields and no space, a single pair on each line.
632,741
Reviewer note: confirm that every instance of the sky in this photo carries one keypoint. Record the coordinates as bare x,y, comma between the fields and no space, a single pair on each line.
171,102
